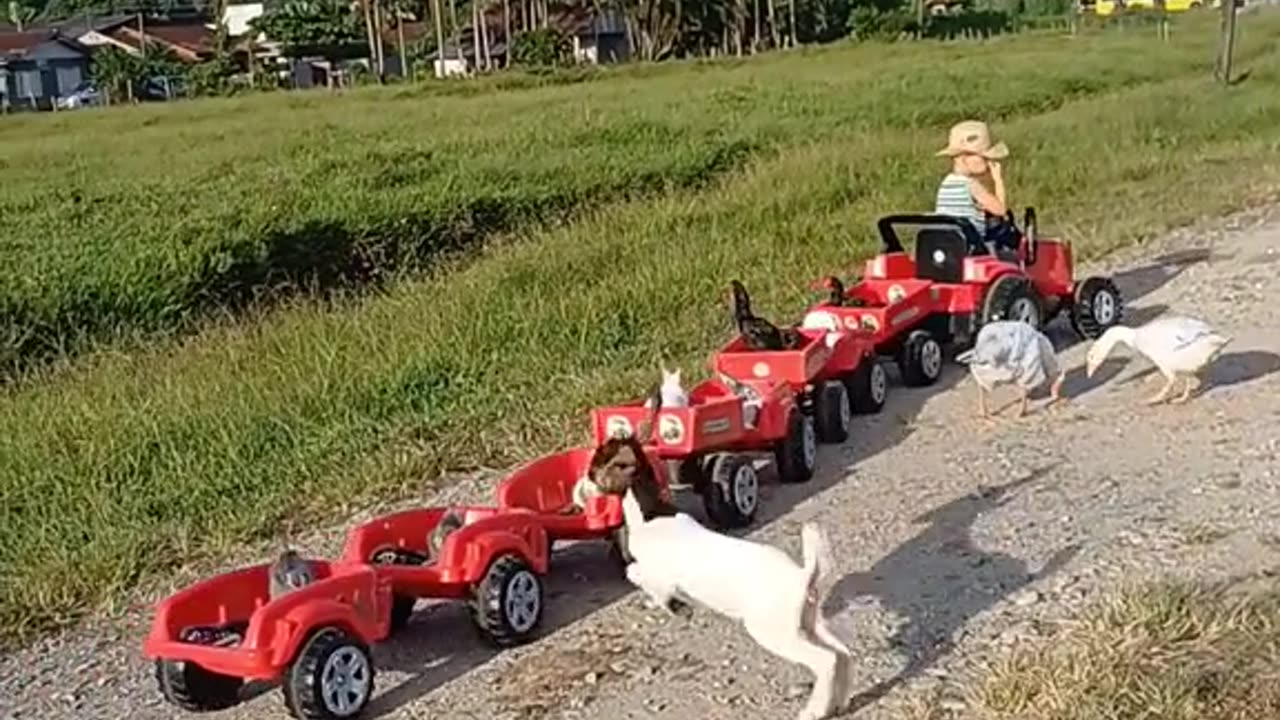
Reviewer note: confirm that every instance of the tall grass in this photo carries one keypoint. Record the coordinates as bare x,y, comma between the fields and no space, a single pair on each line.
129,464
1174,651
139,221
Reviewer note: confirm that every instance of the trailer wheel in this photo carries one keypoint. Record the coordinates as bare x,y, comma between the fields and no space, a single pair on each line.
868,387
831,412
507,604
195,689
332,678
920,359
796,455
733,491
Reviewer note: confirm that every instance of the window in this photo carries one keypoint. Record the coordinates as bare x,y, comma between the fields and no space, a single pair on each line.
69,78
26,84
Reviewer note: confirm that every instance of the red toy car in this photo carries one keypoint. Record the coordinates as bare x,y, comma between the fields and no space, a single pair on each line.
494,561
707,442
834,374
945,293
210,638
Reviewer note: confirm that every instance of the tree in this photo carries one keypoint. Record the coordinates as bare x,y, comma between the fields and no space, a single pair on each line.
117,73
654,26
20,14
312,25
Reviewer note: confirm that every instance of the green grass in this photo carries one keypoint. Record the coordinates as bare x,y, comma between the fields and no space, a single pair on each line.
123,466
1172,651
129,223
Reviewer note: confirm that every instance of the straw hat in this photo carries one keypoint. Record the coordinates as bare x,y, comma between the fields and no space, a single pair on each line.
973,136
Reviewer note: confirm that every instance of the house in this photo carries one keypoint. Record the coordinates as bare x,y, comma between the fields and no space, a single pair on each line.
188,40
39,66
597,35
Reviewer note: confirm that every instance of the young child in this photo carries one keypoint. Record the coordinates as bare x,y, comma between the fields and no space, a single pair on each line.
963,193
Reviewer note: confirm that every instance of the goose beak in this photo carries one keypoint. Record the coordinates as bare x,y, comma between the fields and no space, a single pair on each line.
1091,368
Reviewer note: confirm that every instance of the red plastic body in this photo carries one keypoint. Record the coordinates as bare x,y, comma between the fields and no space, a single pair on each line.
543,488
352,597
895,301
712,422
811,363
465,555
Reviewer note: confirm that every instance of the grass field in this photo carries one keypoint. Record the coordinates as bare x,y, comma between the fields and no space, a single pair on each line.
180,211
127,463
1169,651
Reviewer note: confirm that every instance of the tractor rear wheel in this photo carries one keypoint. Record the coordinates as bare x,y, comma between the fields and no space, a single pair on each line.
1013,297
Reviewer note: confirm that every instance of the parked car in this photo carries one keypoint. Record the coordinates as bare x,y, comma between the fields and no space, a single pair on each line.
85,95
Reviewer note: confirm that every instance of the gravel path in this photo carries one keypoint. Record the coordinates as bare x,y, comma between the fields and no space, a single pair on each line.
954,539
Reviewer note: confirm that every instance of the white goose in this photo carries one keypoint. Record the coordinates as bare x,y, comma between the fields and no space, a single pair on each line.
1177,345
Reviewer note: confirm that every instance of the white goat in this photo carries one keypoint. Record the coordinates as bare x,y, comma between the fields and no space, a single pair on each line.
759,585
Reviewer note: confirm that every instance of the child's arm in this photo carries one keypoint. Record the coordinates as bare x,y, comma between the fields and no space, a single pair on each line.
991,203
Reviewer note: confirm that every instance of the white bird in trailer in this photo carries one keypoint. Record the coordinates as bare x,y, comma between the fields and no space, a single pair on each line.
1177,345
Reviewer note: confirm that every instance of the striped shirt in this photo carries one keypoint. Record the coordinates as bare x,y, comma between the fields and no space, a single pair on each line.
955,199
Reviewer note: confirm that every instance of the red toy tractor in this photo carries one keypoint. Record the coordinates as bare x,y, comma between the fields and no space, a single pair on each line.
707,445
209,639
954,284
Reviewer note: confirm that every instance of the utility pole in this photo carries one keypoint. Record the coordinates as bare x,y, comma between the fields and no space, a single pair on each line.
1227,42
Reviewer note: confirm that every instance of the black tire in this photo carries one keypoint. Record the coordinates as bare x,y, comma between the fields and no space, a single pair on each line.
920,359
195,689
732,493
401,605
506,605
1013,297
831,412
686,472
308,690
1097,306
401,610
868,387
796,455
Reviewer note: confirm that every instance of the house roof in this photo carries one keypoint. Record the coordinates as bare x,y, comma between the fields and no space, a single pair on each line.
189,42
17,44
75,27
